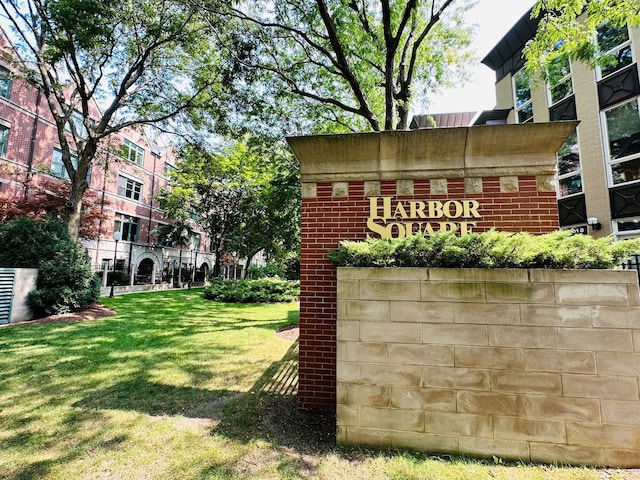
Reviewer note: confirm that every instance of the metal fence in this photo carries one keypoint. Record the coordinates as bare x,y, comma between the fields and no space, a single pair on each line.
633,263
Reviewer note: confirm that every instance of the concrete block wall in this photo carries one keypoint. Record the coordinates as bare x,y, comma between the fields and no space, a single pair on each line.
536,365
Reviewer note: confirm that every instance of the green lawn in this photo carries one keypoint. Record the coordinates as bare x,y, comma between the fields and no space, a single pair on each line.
173,388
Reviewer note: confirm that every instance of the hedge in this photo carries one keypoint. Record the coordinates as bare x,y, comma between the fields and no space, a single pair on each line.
558,250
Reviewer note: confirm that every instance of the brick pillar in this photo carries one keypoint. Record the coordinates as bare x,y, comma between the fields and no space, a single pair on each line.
508,170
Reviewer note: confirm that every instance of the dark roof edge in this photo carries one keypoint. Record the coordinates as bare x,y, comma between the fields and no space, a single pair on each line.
512,42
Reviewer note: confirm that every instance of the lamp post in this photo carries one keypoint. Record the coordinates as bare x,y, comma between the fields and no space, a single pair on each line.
116,236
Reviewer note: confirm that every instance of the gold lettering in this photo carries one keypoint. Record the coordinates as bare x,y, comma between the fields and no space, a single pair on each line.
400,211
381,216
428,229
381,230
401,230
375,207
466,227
416,210
457,209
470,208
435,209
450,227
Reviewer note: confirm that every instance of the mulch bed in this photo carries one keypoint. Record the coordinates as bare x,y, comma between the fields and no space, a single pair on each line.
289,332
93,312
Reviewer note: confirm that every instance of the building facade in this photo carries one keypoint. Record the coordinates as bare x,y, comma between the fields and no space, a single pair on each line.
598,173
127,174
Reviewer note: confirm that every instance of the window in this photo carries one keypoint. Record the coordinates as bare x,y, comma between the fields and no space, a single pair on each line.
78,124
626,228
522,97
569,168
5,83
129,188
560,83
133,152
57,167
168,169
614,42
623,135
128,226
4,140
194,243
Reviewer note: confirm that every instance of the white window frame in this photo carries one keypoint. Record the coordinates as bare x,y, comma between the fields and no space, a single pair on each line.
628,43
518,108
607,148
625,234
6,82
4,139
578,171
78,123
567,78
133,152
126,187
61,171
122,219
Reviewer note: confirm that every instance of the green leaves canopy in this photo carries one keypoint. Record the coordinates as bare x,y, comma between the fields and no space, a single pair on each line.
244,198
327,65
567,30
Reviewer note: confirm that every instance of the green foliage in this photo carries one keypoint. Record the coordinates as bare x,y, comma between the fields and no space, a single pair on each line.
329,65
270,270
564,33
65,283
262,290
288,268
26,242
559,250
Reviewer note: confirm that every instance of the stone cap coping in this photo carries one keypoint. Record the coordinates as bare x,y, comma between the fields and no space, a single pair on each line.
477,151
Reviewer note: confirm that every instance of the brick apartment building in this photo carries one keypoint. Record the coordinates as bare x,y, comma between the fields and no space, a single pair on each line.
127,176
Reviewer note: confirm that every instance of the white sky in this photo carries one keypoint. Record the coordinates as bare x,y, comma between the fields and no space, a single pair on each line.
493,18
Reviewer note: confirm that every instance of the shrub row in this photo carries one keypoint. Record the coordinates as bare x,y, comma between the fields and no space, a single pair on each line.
262,290
559,250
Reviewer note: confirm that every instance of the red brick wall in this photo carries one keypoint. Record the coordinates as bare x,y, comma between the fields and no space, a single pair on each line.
326,220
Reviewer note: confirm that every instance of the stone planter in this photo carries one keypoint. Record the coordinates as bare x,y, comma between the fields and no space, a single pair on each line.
537,365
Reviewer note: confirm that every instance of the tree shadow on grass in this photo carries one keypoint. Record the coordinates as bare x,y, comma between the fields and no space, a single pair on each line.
268,411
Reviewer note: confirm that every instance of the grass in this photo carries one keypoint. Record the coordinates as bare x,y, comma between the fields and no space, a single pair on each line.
173,387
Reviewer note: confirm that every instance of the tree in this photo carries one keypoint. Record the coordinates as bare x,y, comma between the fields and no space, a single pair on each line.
138,60
273,225
568,27
49,198
245,201
350,65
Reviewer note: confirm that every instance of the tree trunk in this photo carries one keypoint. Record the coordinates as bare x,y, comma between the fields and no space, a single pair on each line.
74,209
246,268
180,268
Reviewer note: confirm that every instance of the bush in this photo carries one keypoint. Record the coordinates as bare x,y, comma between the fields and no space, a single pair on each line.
65,284
270,270
263,290
27,242
65,279
288,267
559,250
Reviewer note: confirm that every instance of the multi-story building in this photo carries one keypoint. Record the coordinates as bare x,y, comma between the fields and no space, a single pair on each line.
598,178
131,169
